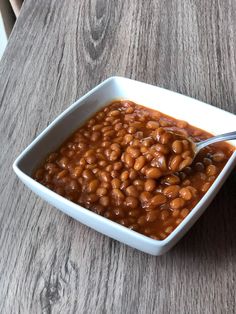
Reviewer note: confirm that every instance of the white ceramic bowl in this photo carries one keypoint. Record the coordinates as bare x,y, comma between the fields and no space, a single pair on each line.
181,107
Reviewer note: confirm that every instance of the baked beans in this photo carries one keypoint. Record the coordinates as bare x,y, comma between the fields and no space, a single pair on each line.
133,165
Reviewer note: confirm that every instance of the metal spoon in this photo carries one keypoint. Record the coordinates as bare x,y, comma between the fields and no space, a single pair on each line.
219,138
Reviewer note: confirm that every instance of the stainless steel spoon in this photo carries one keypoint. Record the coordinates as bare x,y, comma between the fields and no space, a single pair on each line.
214,139
219,138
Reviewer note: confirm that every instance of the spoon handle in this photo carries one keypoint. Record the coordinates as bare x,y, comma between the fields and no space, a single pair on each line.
218,138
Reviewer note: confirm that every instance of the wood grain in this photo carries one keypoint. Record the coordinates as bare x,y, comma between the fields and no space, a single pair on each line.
58,50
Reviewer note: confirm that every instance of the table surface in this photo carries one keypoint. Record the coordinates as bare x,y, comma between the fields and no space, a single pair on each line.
58,50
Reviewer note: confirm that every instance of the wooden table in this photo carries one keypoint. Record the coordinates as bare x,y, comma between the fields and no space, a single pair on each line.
58,50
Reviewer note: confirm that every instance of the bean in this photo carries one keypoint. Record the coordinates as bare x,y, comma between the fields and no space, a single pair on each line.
165,138
181,124
63,162
171,191
118,126
117,194
186,194
142,220
169,229
185,144
152,124
147,142
175,213
116,183
164,214
171,180
135,143
105,185
115,147
186,154
97,127
124,175
186,162
105,176
177,203
88,153
101,191
207,161
119,212
211,178
133,152
153,173
117,165
87,174
159,162
114,113
164,149
104,201
131,202
114,155
219,157
129,160
211,170
129,110
158,199
95,136
115,174
145,198
105,144
186,182
178,221
139,163
199,166
177,147
106,128
128,138
138,183
91,159
150,185
175,163
132,174
73,185
109,133
131,130
132,191
92,186
152,215
124,184
121,132
143,149
184,212
102,163
51,168
129,117
193,190
206,187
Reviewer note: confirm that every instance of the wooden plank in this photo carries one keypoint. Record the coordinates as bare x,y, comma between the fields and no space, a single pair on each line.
58,50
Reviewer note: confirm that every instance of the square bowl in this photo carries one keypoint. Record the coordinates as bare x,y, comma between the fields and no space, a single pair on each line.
176,105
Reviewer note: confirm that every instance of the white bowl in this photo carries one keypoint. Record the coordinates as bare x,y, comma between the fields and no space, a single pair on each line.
197,113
